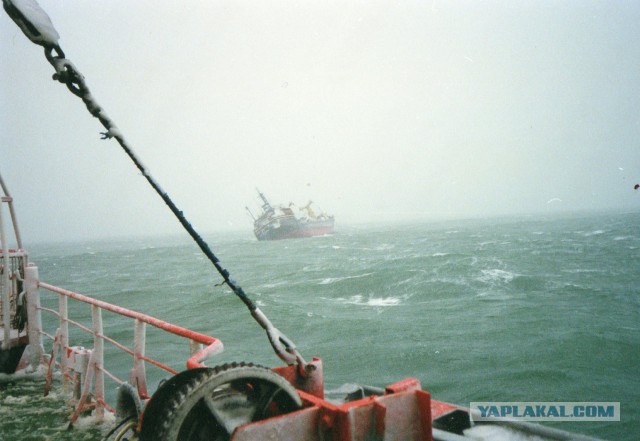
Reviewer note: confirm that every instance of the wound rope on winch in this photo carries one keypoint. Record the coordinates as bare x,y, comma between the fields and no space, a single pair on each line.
37,26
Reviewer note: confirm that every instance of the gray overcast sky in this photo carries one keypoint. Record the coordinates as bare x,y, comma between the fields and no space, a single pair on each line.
389,110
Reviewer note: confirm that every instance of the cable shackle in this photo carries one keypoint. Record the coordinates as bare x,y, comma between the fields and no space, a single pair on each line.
33,21
37,26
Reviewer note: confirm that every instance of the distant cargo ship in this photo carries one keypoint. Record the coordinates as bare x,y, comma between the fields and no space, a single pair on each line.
275,223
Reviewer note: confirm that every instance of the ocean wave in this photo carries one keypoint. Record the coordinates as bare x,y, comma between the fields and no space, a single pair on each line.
493,296
496,276
26,374
582,271
330,280
592,233
371,301
275,284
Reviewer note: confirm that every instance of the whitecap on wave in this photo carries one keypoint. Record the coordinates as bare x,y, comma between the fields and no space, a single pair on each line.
582,270
496,275
371,301
25,374
593,233
330,280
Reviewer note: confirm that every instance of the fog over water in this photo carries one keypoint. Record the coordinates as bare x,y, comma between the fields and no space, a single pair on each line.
375,110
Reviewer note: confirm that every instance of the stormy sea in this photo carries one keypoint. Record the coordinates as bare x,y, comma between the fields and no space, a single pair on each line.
530,308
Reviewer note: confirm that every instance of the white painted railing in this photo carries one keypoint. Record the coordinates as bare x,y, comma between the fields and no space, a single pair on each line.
84,368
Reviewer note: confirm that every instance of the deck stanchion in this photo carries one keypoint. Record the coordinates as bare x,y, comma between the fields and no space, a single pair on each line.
34,317
138,377
82,403
64,340
98,359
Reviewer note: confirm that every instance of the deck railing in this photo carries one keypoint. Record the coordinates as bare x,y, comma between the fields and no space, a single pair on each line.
83,368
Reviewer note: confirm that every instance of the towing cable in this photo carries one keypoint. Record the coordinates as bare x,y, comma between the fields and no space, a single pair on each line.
36,25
